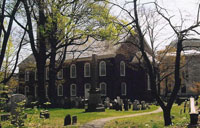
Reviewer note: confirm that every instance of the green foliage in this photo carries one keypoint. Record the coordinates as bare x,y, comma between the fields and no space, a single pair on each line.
18,118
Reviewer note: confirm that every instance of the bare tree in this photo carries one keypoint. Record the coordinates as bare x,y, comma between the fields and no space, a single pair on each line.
141,30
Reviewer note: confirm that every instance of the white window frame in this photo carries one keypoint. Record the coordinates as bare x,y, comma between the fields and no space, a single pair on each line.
36,91
85,69
85,87
27,75
47,73
26,90
148,83
125,89
71,75
100,67
100,86
122,73
71,90
60,74
58,90
36,75
46,90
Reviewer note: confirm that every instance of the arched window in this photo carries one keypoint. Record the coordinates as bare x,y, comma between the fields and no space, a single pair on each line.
36,91
73,89
27,73
26,90
122,68
103,89
148,82
87,70
87,89
46,90
60,90
60,74
73,71
102,68
123,88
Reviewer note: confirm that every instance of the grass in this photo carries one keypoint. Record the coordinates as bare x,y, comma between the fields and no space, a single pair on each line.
152,120
57,117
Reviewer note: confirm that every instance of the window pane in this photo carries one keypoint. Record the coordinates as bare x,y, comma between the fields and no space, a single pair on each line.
102,68
122,68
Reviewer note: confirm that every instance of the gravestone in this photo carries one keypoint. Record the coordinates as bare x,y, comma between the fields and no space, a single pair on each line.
74,120
144,107
125,104
107,102
16,100
136,105
94,102
67,120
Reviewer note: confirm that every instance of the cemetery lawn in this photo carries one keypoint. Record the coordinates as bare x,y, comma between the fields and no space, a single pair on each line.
153,120
57,116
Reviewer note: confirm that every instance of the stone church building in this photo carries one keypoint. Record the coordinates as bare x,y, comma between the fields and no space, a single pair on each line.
117,75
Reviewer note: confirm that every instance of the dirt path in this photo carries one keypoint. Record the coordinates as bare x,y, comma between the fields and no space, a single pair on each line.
99,123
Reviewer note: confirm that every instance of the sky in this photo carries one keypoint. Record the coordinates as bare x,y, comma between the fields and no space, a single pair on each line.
187,9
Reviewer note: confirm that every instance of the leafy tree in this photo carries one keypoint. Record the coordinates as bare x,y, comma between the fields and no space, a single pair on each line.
62,24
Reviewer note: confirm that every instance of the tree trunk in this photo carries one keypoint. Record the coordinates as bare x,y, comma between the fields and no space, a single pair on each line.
167,117
41,82
52,76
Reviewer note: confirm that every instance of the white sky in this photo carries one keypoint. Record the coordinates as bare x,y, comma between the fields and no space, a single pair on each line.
176,8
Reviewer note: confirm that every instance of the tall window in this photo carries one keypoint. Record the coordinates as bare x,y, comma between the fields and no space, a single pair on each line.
60,90
46,90
102,68
36,90
26,90
87,70
73,89
87,89
73,71
123,89
103,89
47,73
60,74
27,73
122,68
36,74
148,83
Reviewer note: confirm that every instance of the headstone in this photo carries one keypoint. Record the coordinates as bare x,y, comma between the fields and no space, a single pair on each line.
107,102
126,105
44,114
17,101
143,105
67,120
74,120
135,105
94,102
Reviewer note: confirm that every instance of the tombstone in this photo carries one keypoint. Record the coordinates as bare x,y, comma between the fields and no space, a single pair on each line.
129,103
16,100
94,102
135,105
126,105
44,114
74,120
143,107
67,120
107,102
